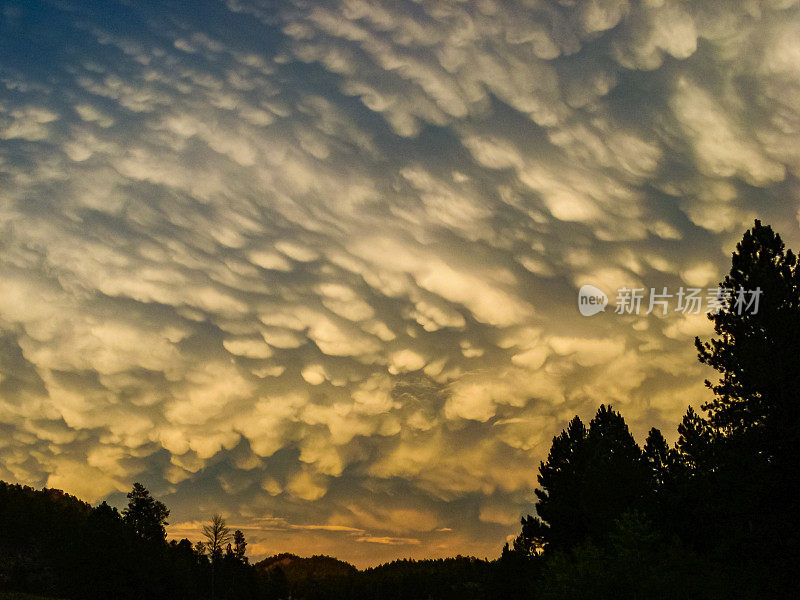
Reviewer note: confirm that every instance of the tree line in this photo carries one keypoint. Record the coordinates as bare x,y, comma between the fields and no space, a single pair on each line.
715,515
55,544
712,516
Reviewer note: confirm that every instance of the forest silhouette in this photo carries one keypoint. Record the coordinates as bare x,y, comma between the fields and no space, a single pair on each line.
714,516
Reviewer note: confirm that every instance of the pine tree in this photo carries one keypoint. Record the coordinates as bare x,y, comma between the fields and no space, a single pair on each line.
145,515
695,444
559,494
590,478
756,397
659,458
755,412
239,546
532,540
616,478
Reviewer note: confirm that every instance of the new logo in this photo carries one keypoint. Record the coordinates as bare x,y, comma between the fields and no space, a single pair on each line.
591,300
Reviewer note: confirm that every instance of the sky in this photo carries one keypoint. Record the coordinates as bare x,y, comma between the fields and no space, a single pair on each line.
315,265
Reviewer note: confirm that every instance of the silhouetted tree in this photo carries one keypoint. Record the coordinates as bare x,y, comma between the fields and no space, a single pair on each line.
145,515
695,444
659,458
620,522
560,502
755,413
590,478
217,534
57,546
756,352
239,545
615,479
531,541
662,496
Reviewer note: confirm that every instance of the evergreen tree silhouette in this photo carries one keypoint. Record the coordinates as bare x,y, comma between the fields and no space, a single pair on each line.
559,495
239,546
659,458
145,515
531,541
755,412
695,444
756,396
616,475
590,478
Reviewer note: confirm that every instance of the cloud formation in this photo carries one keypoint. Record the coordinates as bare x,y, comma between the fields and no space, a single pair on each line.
315,265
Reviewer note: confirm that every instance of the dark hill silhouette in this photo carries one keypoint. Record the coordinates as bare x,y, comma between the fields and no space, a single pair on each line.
319,564
290,576
324,577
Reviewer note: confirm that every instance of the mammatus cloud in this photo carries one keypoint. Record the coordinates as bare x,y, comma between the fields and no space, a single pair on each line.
315,265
